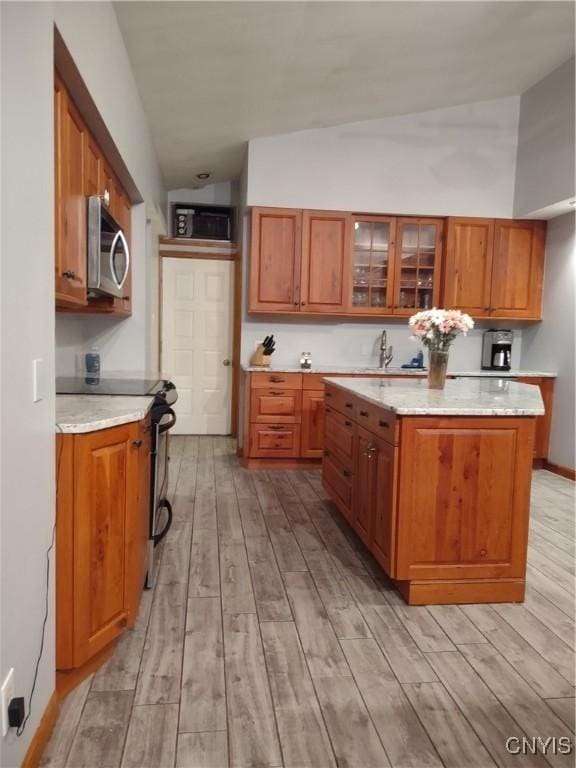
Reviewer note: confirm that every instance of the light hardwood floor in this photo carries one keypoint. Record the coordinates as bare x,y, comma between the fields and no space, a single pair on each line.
272,638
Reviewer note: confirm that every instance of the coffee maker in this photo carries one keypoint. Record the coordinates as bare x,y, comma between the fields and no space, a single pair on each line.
497,350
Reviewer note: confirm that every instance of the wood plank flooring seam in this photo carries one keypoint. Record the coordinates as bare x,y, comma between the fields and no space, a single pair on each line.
258,622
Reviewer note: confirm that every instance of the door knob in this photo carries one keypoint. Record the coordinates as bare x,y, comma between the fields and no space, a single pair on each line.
226,362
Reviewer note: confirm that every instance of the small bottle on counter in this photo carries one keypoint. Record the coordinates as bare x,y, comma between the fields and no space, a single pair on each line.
306,361
92,365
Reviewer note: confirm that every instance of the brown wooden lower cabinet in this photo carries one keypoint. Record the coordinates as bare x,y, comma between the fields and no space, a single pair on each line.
281,399
103,493
442,502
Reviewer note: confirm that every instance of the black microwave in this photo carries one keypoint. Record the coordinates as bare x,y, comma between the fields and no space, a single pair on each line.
202,222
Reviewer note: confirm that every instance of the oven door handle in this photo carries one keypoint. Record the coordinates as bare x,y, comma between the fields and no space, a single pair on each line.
165,427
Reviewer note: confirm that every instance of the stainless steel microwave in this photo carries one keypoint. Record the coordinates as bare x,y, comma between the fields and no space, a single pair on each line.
108,254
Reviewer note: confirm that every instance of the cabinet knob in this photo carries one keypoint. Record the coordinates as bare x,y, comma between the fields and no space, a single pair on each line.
383,423
347,423
364,413
69,274
137,443
346,473
326,453
226,362
348,405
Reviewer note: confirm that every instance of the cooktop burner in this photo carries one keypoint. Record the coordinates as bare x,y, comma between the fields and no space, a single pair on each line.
92,384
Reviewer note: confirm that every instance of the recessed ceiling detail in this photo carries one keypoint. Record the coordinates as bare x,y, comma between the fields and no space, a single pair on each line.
213,75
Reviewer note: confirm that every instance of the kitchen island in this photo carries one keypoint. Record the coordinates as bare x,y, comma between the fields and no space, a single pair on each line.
436,482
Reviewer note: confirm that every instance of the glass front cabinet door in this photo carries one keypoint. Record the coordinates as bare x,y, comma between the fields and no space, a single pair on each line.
417,265
373,240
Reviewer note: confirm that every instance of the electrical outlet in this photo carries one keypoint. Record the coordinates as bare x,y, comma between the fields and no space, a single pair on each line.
6,696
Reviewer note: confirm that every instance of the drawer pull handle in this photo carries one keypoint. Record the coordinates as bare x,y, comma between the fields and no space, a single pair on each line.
364,413
275,392
348,405
275,427
347,423
346,473
328,394
276,379
383,423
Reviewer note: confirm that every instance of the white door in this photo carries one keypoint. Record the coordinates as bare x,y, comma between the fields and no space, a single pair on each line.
197,342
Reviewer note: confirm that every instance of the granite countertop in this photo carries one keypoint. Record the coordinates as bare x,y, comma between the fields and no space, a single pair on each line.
76,414
459,398
359,370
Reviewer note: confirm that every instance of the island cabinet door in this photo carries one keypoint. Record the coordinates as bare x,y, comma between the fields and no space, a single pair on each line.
464,497
106,485
364,487
385,499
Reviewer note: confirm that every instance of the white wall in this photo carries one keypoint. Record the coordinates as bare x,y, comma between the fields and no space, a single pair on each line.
455,161
334,343
125,344
27,332
27,303
545,164
550,344
458,161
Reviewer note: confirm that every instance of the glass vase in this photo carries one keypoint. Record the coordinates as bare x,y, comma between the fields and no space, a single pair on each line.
437,367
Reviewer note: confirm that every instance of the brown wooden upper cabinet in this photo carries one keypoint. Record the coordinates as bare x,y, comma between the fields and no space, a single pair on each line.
81,170
325,270
299,260
373,240
70,143
275,256
417,264
494,268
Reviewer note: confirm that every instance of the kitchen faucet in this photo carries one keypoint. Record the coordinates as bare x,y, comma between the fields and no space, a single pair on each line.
386,352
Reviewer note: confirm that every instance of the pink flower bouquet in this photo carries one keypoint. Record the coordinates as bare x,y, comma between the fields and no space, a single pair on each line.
437,328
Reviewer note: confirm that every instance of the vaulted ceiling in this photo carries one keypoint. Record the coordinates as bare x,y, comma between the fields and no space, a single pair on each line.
213,75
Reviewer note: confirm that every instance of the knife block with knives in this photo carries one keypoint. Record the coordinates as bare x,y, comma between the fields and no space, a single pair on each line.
263,353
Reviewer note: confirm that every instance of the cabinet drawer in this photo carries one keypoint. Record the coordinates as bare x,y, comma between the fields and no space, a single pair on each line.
339,432
314,381
338,479
276,405
385,425
341,401
286,380
378,421
274,440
